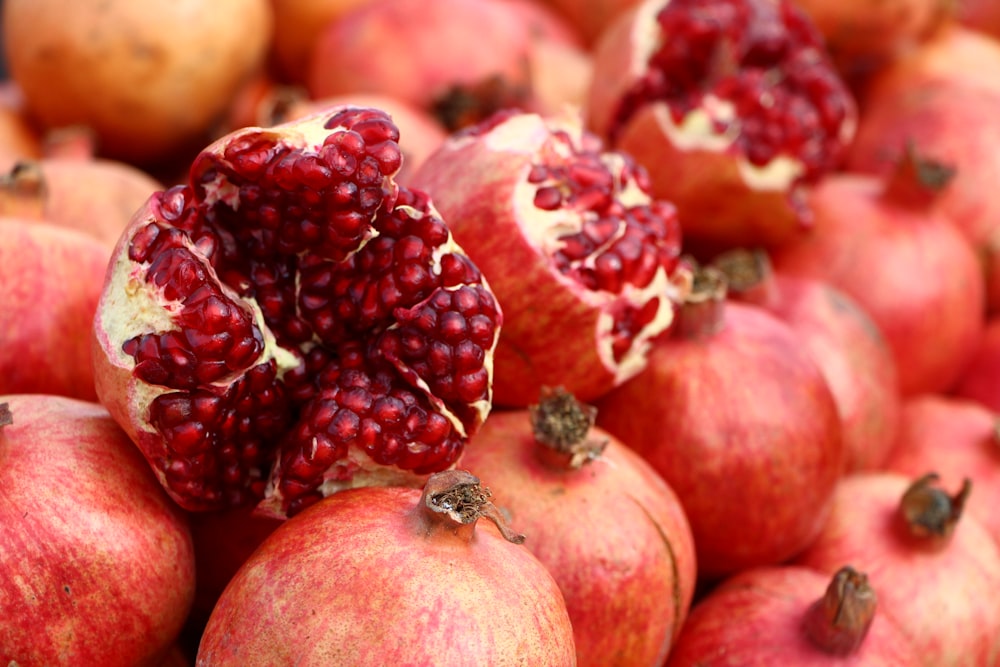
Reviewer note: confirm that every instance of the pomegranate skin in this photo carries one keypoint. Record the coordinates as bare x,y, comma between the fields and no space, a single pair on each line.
737,422
363,576
848,346
933,593
871,241
980,381
52,280
770,603
958,438
611,532
98,562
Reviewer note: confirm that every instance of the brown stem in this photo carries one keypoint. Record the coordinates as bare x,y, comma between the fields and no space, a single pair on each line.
562,426
701,313
23,191
928,512
455,499
838,622
6,418
917,180
749,275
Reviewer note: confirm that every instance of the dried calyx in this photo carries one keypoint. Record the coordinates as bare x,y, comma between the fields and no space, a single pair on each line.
457,499
563,424
701,313
838,622
6,418
929,512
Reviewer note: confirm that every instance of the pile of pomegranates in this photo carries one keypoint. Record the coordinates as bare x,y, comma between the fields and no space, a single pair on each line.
617,333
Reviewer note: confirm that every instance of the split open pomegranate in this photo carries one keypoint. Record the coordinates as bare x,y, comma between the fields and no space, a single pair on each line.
291,321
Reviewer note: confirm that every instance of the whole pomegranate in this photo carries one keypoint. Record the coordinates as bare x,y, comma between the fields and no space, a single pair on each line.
291,321
584,261
606,526
980,381
96,196
928,563
737,417
848,346
732,106
983,15
872,238
19,140
51,280
393,576
462,60
298,25
97,561
792,615
960,439
148,78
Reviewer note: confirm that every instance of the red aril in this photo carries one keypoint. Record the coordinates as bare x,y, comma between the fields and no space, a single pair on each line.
292,322
956,438
51,280
732,106
928,563
420,134
980,381
98,564
847,345
737,418
792,615
392,576
887,244
582,258
606,526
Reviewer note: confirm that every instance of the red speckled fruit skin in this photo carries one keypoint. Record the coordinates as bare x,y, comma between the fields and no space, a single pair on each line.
770,603
612,533
934,593
358,579
97,562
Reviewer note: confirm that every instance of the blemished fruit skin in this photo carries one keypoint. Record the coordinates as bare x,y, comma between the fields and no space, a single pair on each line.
98,563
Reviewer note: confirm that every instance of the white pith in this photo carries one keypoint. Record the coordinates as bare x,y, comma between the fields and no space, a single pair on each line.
699,129
542,230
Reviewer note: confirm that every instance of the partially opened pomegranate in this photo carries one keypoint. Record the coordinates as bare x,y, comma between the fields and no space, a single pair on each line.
732,105
291,311
583,259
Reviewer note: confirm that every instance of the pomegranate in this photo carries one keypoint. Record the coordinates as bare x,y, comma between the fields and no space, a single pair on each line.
847,345
792,615
929,572
98,564
18,139
298,25
420,133
930,100
864,36
393,576
95,196
460,59
600,519
980,381
736,416
959,438
150,79
991,260
51,280
872,238
596,257
591,17
292,322
732,106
